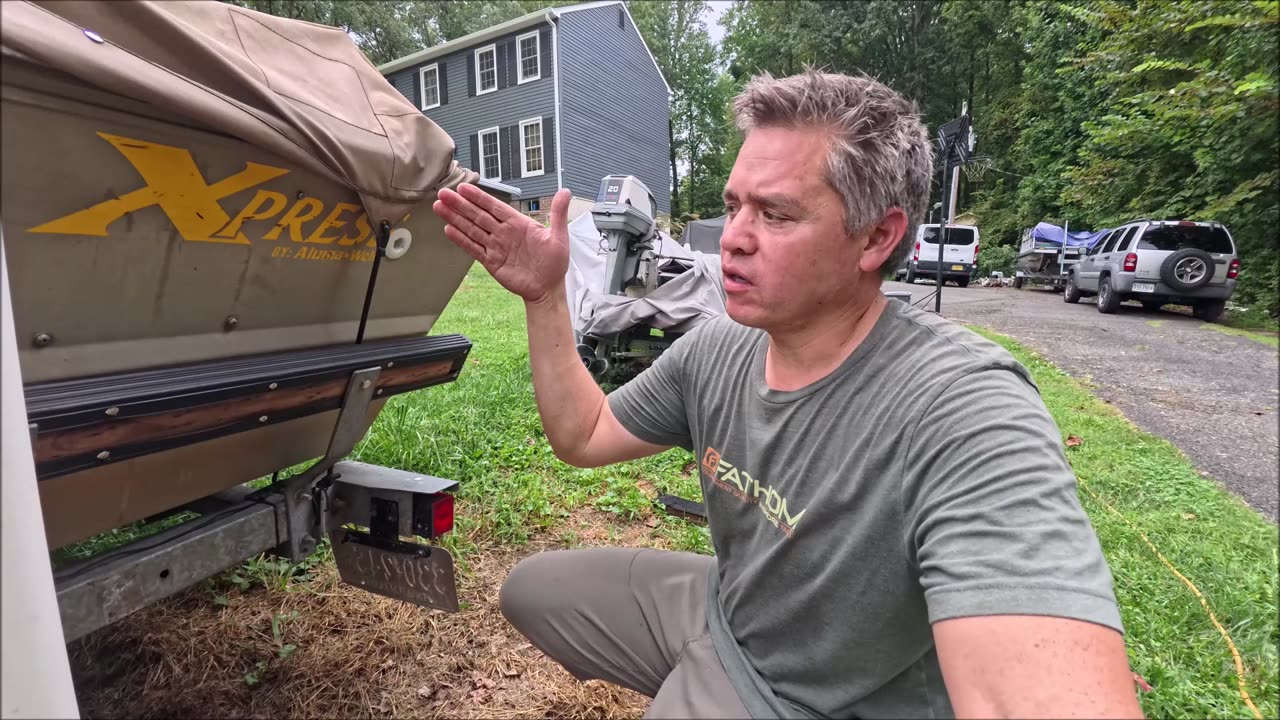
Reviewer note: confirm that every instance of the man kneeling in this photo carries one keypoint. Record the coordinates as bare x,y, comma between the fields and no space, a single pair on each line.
895,523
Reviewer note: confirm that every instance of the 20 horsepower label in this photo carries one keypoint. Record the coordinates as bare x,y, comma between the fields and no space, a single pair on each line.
418,574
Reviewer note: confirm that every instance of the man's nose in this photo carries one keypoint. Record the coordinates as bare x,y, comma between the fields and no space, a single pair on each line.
738,237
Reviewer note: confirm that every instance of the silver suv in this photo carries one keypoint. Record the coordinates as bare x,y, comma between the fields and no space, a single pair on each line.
1159,262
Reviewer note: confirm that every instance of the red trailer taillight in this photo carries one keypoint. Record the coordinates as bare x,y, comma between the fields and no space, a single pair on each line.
441,515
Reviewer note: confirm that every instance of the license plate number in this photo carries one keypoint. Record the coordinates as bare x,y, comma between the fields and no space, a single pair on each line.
1144,287
957,267
418,574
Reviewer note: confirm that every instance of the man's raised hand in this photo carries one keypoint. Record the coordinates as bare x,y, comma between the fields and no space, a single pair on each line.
523,256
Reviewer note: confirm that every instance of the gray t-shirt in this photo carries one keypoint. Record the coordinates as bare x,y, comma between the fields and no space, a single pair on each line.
921,480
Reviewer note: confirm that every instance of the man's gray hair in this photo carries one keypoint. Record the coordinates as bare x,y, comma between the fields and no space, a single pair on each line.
879,155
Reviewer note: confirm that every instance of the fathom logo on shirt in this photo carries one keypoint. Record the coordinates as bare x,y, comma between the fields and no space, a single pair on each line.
749,490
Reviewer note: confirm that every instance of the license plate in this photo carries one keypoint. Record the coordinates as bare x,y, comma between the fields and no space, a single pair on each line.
957,267
418,574
1144,287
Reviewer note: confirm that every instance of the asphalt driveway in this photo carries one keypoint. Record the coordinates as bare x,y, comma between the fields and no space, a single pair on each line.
1212,395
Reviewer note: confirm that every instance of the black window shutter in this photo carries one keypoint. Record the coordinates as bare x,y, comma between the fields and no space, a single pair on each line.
475,153
443,83
416,93
471,74
517,160
504,147
549,143
544,46
500,66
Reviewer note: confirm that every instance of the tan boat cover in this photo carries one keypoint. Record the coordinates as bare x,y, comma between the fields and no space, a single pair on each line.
300,90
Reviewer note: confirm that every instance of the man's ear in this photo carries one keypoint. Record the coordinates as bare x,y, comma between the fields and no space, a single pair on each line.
882,240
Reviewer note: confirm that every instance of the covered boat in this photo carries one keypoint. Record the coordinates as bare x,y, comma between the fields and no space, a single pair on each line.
1048,251
222,262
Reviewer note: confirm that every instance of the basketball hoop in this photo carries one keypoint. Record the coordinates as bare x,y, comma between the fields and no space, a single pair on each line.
977,168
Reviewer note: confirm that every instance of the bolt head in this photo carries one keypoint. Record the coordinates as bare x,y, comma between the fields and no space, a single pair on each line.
365,384
391,363
379,392
262,419
42,339
104,455
113,411
231,322
273,386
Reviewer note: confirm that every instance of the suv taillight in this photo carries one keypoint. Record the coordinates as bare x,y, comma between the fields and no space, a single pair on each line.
917,255
1131,262
1233,270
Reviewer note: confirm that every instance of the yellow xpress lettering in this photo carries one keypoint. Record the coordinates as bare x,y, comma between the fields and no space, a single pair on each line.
175,184
750,490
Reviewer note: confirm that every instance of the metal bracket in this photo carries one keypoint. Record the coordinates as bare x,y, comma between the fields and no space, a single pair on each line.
304,522
367,491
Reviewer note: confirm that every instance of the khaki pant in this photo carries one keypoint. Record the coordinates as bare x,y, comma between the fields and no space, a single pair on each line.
635,618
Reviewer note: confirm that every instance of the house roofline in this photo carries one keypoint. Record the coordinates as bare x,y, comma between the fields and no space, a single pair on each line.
510,26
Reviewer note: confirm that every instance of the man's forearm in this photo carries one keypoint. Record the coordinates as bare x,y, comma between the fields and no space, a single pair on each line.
569,400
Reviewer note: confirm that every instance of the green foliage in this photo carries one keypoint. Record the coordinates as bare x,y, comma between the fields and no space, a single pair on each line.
702,137
997,257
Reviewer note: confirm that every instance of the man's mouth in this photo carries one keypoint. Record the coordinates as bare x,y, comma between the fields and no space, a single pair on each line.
735,282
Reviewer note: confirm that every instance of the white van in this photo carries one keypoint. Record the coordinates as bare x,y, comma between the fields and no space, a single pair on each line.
959,255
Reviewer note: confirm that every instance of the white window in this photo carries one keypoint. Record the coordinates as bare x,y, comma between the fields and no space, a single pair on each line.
490,155
527,51
429,85
486,70
531,147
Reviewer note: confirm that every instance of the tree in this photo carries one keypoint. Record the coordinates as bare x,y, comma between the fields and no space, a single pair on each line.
676,33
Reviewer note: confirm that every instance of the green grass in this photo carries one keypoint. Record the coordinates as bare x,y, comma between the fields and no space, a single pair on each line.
1265,339
1253,318
1226,549
483,430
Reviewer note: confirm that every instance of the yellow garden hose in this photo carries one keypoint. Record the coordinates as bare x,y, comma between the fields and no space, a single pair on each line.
1235,654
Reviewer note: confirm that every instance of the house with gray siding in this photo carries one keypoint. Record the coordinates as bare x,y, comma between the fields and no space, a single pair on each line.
555,99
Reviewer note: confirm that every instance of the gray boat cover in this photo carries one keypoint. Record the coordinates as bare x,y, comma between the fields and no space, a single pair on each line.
679,305
704,235
300,90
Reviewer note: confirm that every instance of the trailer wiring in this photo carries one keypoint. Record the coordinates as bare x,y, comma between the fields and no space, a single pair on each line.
1235,653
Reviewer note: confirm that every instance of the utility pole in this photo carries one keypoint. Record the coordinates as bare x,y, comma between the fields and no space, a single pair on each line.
955,144
955,172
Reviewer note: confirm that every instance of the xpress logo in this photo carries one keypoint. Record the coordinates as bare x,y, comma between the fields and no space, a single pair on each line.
178,188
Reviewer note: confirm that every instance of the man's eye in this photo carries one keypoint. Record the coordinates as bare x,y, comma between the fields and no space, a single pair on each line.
773,216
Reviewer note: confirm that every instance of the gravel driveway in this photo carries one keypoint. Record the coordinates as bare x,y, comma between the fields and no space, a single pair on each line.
1212,395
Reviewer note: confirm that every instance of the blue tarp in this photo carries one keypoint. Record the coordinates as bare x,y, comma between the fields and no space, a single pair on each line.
1079,238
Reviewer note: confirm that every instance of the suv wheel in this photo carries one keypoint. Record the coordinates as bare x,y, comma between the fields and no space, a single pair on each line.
1187,269
911,275
1108,298
1209,311
1072,293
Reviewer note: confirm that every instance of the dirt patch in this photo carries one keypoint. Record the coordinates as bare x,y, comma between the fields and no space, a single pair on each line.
335,651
